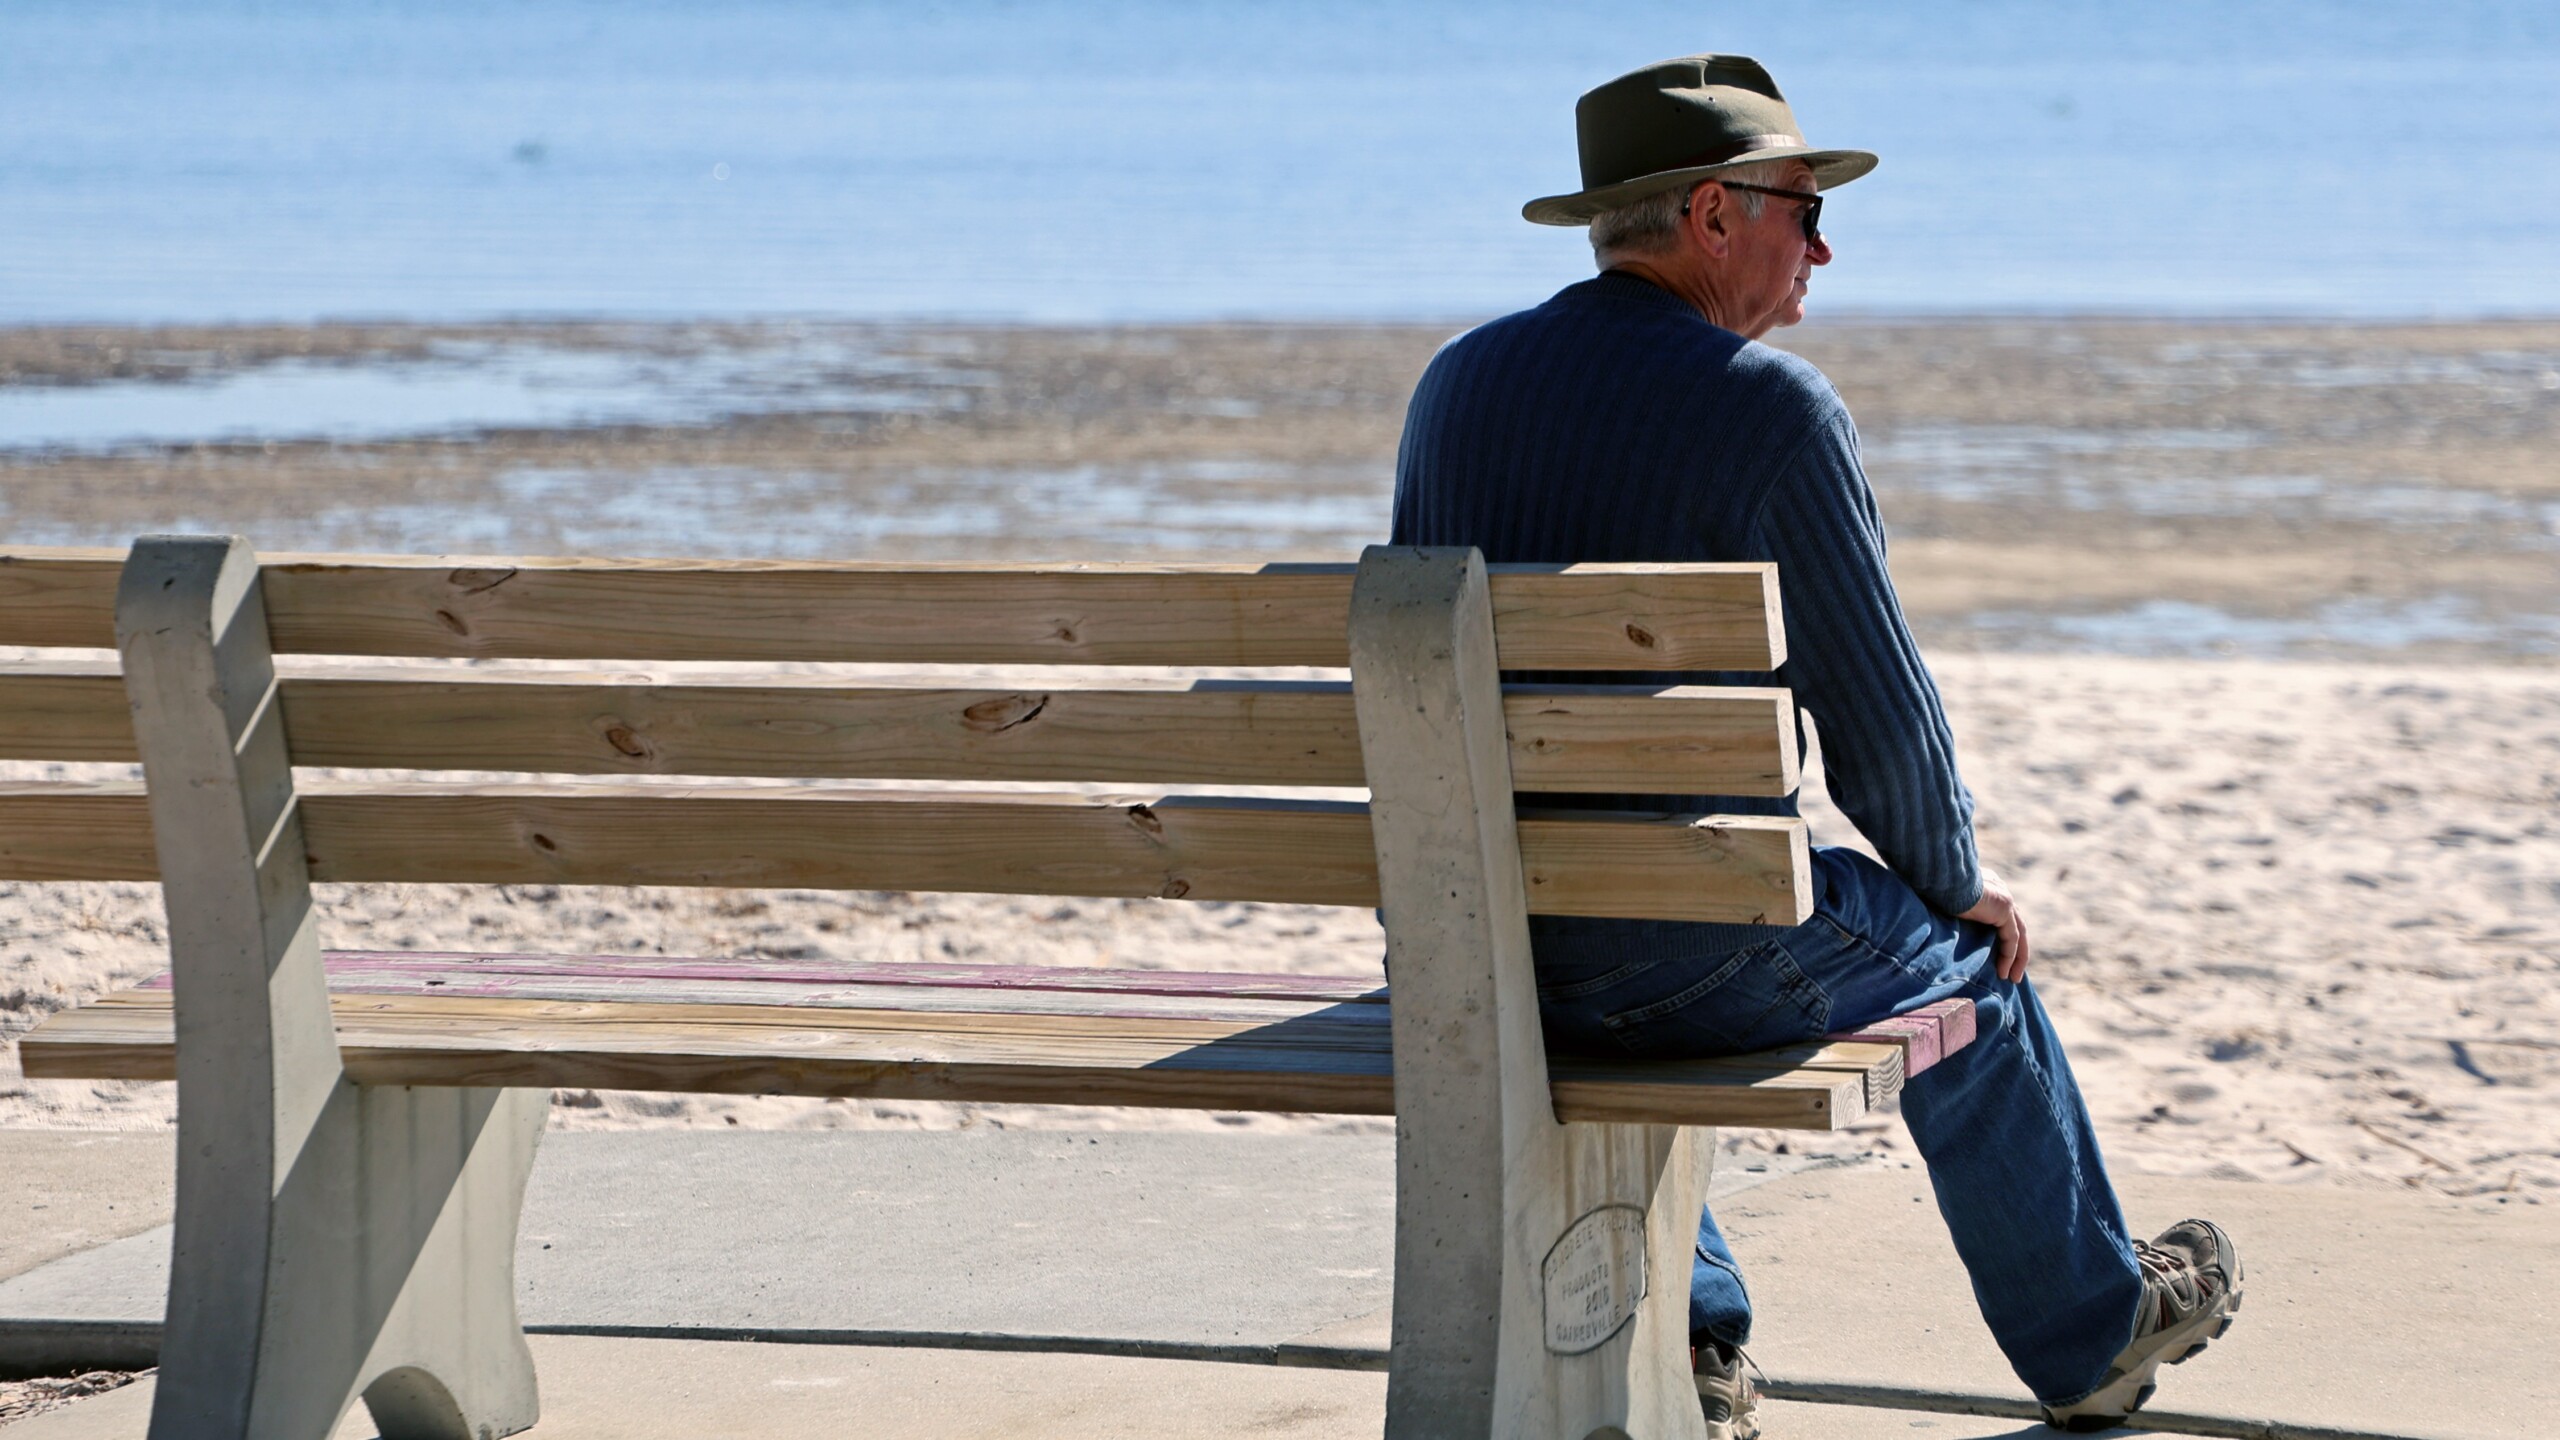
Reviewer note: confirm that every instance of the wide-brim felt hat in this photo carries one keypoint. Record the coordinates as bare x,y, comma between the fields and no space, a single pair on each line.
1679,122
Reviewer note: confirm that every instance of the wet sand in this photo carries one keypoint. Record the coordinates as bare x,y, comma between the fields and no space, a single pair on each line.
2295,875
2143,487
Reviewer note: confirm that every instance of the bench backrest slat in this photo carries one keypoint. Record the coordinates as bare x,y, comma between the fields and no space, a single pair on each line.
75,830
59,597
779,837
1574,617
1693,740
389,698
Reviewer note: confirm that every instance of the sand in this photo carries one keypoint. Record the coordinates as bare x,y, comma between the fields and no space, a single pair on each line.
2298,919
24,1399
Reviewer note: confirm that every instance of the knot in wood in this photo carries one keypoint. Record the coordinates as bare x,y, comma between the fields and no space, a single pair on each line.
1002,713
474,582
1643,637
453,622
545,843
623,738
1148,822
1175,887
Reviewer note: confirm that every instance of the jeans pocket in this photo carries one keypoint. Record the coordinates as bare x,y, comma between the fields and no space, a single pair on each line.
1583,987
1752,999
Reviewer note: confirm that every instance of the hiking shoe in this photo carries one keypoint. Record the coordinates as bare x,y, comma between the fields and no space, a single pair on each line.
2190,1287
1725,1393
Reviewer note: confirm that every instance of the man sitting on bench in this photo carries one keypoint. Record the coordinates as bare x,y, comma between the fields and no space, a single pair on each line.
1634,418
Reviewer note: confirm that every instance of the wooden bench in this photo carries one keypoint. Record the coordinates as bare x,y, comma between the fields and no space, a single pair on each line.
356,1128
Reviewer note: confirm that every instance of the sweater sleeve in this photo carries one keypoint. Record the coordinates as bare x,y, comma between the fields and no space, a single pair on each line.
1888,756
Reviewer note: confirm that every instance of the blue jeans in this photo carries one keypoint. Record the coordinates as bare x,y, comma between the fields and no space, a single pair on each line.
2000,1123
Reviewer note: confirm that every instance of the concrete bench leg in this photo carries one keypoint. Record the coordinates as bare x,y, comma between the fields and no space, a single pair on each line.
1542,1270
332,1241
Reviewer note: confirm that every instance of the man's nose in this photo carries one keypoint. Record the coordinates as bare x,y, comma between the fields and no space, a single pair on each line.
1819,252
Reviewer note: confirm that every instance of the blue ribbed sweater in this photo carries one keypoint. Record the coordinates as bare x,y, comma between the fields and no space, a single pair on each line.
1616,423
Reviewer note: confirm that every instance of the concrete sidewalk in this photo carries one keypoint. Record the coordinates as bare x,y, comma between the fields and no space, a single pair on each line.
706,1390
2368,1314
63,1191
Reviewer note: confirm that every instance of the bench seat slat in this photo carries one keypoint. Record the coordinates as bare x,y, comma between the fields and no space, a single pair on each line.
571,983
822,995
1006,1018
1293,1065
1684,740
348,967
1925,1036
1882,1056
1733,868
1577,617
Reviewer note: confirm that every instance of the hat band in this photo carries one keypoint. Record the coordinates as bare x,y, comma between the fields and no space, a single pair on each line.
1744,146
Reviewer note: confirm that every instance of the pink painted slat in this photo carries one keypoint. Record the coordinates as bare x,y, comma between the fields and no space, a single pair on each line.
1927,1035
1919,1037
1958,1016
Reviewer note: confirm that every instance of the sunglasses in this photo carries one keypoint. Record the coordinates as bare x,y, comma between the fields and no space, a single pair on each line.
1812,216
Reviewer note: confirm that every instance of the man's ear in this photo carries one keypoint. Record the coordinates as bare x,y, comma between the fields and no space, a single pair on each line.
1708,222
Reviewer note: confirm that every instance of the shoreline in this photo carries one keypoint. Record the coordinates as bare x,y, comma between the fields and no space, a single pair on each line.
2144,486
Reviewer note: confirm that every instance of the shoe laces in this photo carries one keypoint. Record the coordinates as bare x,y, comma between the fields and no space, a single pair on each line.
2175,1278
1742,1357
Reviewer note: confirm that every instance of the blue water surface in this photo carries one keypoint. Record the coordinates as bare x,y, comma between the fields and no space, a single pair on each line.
1149,159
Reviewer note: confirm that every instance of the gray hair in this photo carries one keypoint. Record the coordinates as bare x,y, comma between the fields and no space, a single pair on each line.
1647,226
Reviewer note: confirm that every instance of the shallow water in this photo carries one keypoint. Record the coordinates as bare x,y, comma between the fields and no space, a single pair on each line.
1126,159
1198,506
463,388
2356,626
1202,507
2096,470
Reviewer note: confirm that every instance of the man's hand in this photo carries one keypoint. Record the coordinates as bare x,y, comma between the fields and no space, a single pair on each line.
1999,909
